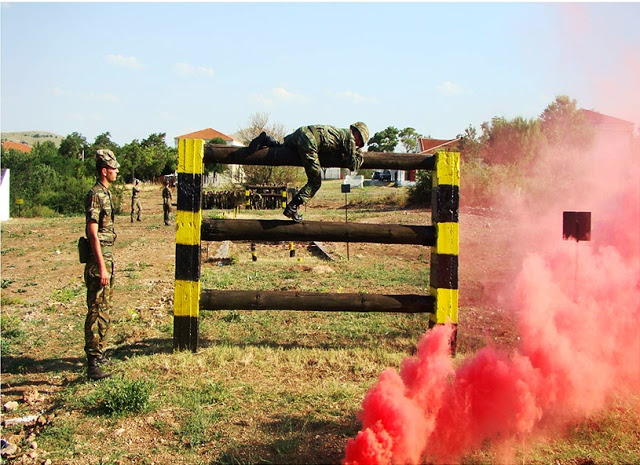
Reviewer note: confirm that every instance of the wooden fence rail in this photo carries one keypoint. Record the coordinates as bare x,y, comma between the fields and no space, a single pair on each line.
314,301
286,230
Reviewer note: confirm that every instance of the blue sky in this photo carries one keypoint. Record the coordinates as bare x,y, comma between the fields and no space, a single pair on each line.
139,68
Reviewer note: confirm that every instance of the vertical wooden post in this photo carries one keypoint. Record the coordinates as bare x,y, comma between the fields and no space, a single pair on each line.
445,205
186,304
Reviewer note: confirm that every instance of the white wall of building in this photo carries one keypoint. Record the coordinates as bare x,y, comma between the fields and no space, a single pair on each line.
4,195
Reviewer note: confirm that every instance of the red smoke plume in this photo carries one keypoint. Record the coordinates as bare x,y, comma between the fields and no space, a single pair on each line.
578,306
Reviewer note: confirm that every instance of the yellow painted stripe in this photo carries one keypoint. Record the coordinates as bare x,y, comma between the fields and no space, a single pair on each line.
446,307
186,298
188,227
447,169
447,238
191,156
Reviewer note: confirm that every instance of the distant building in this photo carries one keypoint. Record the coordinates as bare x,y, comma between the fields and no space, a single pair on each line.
7,145
236,173
425,145
207,135
612,134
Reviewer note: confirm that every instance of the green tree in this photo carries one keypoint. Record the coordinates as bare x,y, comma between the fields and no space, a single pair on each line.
565,126
409,139
470,144
73,146
519,140
384,141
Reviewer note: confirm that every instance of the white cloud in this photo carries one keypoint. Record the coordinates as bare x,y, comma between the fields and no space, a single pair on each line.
280,94
205,71
283,94
451,88
125,62
354,97
185,69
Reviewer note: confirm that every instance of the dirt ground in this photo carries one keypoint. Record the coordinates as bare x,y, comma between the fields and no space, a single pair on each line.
40,265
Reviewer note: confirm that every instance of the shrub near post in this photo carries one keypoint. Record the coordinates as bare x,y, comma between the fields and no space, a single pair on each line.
445,205
188,221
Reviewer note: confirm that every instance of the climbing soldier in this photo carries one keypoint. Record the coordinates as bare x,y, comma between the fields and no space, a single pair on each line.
135,199
311,143
98,271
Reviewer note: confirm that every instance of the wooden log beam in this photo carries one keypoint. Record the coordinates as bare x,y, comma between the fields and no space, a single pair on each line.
314,301
283,156
324,231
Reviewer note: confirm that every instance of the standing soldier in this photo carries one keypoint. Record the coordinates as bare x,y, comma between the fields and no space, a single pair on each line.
98,271
135,199
166,202
312,142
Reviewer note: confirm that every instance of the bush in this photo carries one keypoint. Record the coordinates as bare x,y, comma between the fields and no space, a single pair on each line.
420,193
38,211
120,397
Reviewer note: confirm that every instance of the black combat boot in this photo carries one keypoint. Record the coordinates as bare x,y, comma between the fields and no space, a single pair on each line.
94,373
263,140
291,211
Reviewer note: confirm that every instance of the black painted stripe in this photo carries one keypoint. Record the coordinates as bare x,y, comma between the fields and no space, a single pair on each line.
446,199
189,192
444,271
185,333
188,262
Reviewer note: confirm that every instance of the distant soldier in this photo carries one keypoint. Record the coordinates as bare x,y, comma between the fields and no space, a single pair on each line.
312,142
166,202
99,270
135,199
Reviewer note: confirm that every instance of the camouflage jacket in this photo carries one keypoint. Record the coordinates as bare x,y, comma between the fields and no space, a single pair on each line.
166,195
334,142
135,192
98,206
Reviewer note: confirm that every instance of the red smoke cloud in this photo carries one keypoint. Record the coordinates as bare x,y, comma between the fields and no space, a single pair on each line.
578,307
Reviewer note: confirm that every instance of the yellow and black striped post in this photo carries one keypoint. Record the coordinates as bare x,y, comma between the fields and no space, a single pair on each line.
284,198
445,206
186,303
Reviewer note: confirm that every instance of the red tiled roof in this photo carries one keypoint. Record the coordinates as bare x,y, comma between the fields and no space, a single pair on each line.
598,119
7,144
424,145
206,134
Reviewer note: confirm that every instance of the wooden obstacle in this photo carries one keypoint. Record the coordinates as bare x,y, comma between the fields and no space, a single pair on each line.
442,236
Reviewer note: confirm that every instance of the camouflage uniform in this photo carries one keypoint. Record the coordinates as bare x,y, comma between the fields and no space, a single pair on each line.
166,203
312,142
99,207
135,200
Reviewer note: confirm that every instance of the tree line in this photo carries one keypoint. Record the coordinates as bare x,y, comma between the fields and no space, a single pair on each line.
503,152
52,180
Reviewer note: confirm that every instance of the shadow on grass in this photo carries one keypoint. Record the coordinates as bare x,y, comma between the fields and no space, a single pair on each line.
23,364
150,346
294,439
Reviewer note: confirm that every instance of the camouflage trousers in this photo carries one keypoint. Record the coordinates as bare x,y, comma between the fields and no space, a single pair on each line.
96,324
136,205
304,142
166,208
